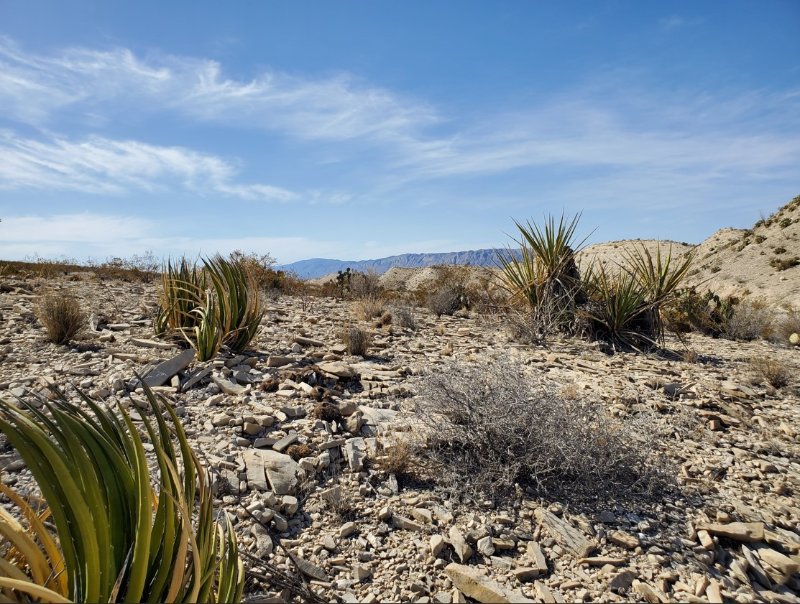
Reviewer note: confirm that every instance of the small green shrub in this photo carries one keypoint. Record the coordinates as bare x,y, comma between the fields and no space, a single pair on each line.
61,316
705,313
785,222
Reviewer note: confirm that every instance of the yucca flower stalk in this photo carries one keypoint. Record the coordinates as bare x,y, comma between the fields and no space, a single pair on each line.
117,538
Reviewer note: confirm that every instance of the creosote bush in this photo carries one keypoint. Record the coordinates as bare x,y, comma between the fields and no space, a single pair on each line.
489,428
61,316
449,292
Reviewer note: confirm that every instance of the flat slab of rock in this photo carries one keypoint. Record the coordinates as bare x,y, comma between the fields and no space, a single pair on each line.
338,368
279,470
355,451
304,341
309,569
478,586
227,386
278,361
745,532
151,344
567,535
163,372
196,377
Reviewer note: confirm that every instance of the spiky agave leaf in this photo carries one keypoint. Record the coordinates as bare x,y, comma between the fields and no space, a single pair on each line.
659,275
120,540
240,303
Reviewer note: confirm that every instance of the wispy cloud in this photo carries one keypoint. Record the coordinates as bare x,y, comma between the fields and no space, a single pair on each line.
34,88
606,130
101,165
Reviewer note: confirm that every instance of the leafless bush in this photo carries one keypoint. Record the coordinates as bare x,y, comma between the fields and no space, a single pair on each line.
490,428
750,320
770,370
365,285
61,317
402,316
447,299
356,340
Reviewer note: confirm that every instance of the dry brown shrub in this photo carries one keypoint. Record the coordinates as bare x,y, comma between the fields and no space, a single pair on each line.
770,370
299,451
356,340
368,308
491,430
326,412
61,316
397,458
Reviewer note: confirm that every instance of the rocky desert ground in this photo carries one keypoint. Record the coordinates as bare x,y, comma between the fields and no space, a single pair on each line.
727,530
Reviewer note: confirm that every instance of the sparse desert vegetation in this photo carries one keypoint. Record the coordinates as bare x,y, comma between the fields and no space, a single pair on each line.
538,425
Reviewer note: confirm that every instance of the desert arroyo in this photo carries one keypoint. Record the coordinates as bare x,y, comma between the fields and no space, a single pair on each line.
404,438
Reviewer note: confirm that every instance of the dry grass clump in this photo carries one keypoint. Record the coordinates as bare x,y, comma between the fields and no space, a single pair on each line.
403,317
61,316
369,308
750,320
489,429
356,340
397,458
770,370
326,412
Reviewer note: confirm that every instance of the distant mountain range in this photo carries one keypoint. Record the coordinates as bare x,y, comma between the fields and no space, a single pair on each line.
319,267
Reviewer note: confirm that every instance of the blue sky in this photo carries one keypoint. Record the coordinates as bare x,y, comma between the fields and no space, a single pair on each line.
358,130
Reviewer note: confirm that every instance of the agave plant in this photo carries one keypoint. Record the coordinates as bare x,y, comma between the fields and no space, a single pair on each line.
107,535
209,307
239,303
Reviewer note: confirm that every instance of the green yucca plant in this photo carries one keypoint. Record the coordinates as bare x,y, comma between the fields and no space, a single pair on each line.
116,538
544,276
618,309
209,307
660,277
546,262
